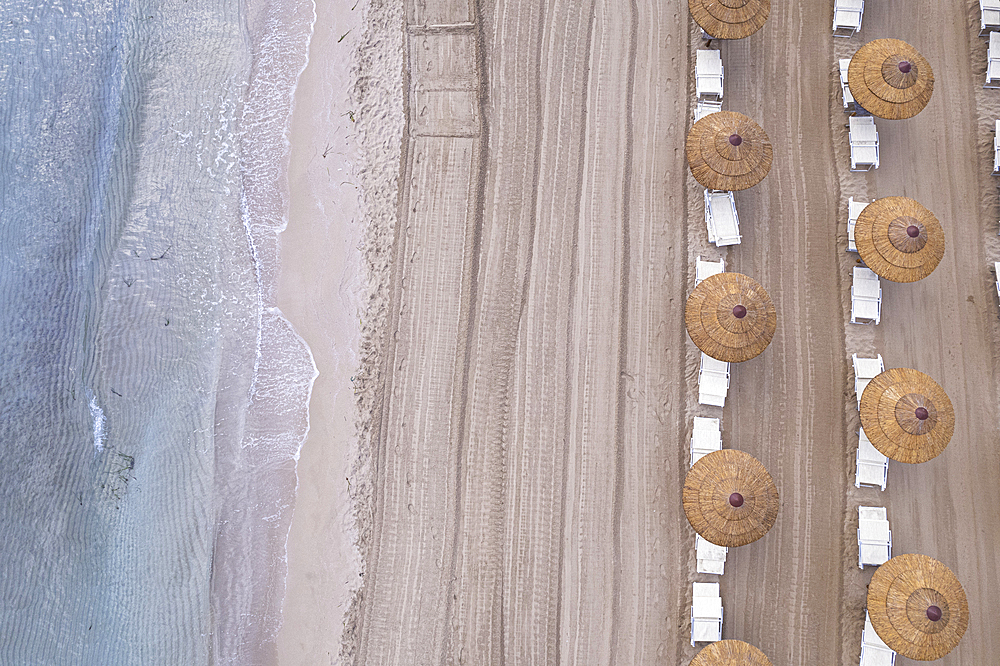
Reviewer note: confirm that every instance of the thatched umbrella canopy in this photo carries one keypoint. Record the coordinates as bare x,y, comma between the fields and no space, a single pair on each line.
890,79
729,498
728,151
917,607
907,415
730,19
730,653
730,317
899,239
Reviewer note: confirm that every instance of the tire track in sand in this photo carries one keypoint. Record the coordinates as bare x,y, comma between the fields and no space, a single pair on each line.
404,602
616,508
564,472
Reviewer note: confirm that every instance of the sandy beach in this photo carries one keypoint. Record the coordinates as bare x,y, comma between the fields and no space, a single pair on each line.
506,389
320,290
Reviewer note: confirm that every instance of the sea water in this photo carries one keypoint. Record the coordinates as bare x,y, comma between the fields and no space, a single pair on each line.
152,401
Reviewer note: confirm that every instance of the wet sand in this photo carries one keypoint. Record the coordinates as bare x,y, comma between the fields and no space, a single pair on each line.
529,379
320,291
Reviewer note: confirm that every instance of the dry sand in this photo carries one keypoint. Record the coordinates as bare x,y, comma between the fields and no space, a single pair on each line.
527,386
946,324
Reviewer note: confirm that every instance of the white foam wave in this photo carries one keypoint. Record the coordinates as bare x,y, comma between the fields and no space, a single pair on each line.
100,422
278,419
250,590
255,260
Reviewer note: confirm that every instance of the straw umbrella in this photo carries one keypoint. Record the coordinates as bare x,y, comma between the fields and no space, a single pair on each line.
730,317
729,498
728,151
918,607
890,79
907,415
730,19
730,653
899,239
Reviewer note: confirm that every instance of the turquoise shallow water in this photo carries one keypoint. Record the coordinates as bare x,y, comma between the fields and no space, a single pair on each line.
151,402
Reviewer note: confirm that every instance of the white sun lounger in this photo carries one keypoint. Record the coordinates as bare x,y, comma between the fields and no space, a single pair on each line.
874,652
706,613
713,381
721,218
866,297
706,437
874,537
711,558
706,269
847,17
864,143
705,107
854,209
865,369
872,467
989,18
848,97
708,73
996,148
993,62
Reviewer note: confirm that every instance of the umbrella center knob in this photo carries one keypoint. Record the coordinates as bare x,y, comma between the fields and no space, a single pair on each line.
735,139
933,613
905,66
921,413
913,231
739,311
736,501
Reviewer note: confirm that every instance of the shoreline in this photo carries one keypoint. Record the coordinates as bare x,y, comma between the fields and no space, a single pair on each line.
319,290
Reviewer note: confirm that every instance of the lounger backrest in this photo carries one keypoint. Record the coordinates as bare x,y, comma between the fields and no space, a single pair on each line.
872,513
990,17
863,273
847,13
722,208
706,423
866,290
710,383
714,365
705,107
871,474
708,62
708,550
867,450
710,558
854,209
705,269
706,440
705,589
863,130
868,368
